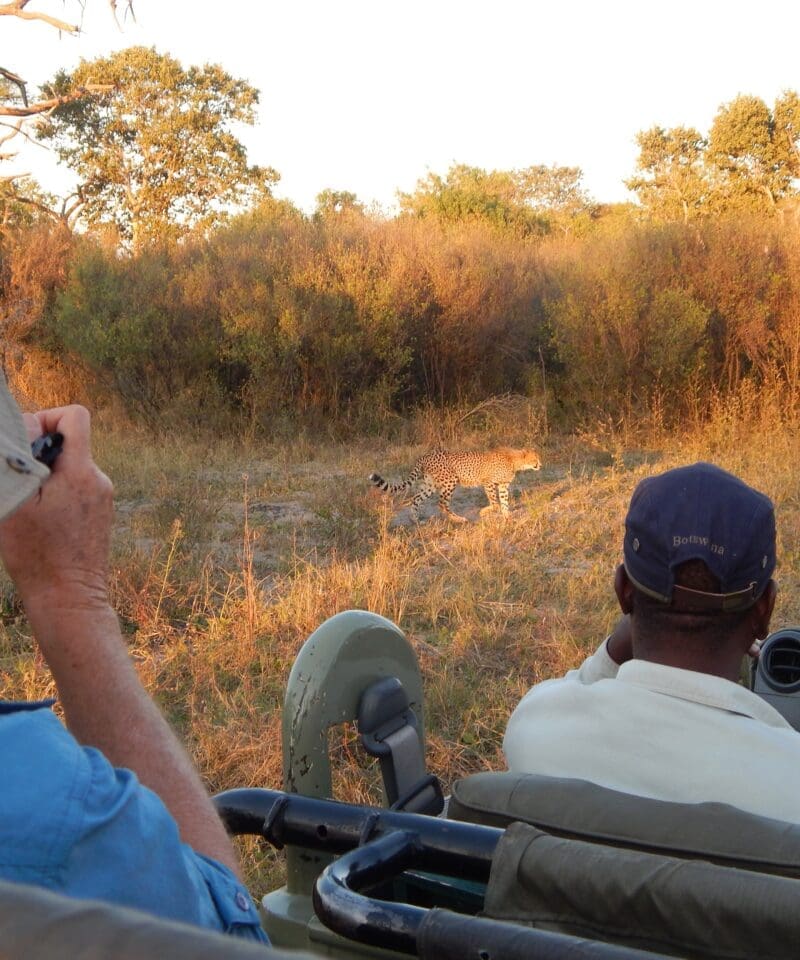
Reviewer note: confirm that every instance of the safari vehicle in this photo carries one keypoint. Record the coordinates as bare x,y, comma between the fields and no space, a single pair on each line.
521,865
518,866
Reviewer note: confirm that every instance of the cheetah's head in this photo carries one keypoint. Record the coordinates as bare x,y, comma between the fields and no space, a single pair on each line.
529,459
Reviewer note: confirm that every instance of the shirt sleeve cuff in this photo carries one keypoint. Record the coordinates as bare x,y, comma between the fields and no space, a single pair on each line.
237,912
599,666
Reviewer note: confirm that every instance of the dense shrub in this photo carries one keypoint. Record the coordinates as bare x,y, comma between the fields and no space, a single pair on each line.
33,266
131,322
347,318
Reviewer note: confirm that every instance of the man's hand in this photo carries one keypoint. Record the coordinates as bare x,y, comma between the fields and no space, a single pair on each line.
56,546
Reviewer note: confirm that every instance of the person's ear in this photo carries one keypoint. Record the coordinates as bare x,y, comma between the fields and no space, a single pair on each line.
623,589
761,612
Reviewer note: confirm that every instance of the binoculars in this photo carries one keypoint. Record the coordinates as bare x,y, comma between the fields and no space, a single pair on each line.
775,674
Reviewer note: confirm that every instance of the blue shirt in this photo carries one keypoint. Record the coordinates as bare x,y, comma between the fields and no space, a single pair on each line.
72,823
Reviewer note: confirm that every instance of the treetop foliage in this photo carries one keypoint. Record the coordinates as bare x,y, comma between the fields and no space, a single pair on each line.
750,160
529,202
155,153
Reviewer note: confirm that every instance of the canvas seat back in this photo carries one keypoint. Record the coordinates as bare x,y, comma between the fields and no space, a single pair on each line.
581,810
691,880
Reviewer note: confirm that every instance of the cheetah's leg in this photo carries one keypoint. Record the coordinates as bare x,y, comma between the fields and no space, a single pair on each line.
491,493
502,492
444,501
426,490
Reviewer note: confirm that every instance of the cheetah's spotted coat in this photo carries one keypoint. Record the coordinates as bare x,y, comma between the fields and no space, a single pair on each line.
442,471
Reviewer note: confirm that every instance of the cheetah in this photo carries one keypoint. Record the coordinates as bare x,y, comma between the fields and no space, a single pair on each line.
442,471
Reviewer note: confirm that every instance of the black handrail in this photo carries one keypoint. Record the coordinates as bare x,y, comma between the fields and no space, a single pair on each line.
462,849
393,926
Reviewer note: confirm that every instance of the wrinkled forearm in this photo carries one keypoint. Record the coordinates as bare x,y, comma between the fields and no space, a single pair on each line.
106,707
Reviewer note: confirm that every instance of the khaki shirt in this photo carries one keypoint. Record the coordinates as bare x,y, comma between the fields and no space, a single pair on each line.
660,732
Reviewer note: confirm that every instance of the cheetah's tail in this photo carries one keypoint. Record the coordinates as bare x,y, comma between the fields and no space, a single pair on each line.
379,482
387,487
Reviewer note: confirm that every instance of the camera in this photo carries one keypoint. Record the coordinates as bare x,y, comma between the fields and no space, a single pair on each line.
775,675
46,448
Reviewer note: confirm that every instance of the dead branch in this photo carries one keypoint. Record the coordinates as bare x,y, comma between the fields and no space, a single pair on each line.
16,8
16,129
503,401
44,105
128,10
18,81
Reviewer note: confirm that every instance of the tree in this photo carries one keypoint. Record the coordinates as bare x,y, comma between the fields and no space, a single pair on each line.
786,127
557,193
754,151
23,203
333,202
155,155
471,194
673,185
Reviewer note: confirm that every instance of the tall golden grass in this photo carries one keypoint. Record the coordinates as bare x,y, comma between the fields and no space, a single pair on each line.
228,554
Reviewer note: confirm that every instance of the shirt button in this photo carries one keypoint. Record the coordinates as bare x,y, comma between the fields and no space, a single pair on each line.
242,902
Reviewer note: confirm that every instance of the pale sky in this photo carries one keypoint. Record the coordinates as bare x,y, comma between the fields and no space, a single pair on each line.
371,95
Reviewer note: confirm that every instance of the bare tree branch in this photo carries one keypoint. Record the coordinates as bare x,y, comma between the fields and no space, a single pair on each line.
16,8
128,11
44,105
13,78
17,130
14,130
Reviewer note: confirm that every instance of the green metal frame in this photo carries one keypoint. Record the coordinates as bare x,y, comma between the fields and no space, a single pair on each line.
335,665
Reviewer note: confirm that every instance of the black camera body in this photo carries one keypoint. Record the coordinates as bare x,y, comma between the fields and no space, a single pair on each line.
775,674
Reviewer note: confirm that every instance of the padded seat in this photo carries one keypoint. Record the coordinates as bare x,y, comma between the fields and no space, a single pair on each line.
581,810
684,908
691,880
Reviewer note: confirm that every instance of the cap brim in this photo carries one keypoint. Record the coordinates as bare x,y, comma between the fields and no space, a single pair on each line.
686,600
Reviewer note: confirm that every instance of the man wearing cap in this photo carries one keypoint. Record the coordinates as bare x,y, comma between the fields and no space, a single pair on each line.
657,710
109,807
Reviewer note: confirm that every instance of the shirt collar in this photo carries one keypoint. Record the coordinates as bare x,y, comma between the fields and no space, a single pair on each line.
15,706
701,688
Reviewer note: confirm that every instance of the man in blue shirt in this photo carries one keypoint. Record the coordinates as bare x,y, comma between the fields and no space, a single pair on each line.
110,807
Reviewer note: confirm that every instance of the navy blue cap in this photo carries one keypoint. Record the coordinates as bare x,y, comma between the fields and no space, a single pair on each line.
700,512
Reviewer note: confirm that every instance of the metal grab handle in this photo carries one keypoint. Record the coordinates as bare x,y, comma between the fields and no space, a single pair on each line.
342,909
400,926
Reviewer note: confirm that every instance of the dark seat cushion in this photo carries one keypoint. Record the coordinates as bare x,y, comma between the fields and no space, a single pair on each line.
685,908
581,810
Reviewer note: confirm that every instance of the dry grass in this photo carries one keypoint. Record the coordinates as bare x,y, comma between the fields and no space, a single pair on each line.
228,556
